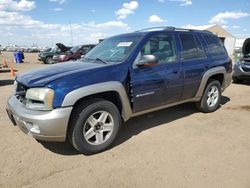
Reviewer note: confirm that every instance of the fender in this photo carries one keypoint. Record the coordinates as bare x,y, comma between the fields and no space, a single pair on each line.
207,75
72,97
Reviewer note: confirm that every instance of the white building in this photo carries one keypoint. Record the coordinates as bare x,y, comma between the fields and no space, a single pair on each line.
227,38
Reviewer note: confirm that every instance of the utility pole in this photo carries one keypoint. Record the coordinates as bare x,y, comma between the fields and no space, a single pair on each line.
71,34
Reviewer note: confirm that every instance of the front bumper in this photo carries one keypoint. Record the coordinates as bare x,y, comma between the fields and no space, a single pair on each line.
40,58
238,71
42,125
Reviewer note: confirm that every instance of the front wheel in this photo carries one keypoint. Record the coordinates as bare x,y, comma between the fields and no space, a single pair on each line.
211,98
95,125
49,60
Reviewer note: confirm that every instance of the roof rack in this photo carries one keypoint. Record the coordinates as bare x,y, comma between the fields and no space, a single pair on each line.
168,28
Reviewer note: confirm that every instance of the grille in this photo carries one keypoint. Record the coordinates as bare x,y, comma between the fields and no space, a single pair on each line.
21,92
245,69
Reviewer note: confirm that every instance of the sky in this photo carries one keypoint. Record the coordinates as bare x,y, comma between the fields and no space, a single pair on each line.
73,22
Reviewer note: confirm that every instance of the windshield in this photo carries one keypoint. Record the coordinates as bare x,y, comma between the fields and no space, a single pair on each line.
75,49
115,49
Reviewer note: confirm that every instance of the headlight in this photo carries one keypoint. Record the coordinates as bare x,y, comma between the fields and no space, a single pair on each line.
15,86
39,98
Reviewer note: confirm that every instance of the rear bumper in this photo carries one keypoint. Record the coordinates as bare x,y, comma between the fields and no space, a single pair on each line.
42,125
227,81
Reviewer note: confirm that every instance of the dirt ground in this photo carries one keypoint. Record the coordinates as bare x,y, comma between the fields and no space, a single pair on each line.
175,147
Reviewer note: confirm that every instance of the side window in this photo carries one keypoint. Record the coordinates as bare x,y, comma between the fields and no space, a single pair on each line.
191,47
162,47
200,48
215,46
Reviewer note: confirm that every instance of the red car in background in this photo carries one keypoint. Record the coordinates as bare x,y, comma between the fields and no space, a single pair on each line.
73,54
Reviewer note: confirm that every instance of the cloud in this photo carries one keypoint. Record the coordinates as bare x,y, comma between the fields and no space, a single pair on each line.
43,33
161,1
183,3
58,1
197,27
127,9
23,5
235,26
221,18
98,35
56,9
155,19
108,25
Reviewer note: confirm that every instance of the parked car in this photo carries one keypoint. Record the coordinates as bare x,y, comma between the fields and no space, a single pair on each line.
47,55
241,70
86,101
73,54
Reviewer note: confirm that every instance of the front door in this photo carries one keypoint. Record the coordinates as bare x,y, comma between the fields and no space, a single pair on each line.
159,83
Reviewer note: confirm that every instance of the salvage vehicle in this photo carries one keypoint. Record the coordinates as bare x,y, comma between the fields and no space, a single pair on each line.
74,53
86,101
241,70
47,55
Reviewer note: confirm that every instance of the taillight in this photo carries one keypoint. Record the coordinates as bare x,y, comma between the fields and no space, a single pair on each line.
229,66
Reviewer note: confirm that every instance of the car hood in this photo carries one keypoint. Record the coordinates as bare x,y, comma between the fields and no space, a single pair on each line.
246,46
43,76
62,47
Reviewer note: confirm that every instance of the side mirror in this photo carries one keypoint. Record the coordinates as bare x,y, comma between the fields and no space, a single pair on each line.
146,60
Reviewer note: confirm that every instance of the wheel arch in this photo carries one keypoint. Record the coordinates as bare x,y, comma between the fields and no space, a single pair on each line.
217,73
112,91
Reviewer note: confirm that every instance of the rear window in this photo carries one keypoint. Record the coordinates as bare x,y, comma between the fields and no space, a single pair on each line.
191,47
215,46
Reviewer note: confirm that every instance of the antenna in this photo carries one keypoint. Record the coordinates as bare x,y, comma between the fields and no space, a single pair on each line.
71,34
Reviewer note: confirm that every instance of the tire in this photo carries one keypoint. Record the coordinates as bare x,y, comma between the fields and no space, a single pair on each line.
211,98
49,60
89,132
236,80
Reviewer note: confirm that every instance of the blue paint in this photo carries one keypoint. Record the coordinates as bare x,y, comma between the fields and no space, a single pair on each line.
161,84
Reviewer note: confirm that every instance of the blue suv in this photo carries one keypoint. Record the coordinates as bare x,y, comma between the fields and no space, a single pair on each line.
86,102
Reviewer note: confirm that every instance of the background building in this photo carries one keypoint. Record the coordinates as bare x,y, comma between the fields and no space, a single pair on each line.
227,38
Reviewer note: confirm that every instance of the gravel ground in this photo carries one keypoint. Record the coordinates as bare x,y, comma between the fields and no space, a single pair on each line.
175,147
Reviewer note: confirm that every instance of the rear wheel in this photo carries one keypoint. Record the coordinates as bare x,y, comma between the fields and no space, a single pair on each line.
95,125
211,98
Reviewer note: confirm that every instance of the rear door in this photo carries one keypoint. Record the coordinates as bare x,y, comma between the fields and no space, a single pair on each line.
194,63
160,83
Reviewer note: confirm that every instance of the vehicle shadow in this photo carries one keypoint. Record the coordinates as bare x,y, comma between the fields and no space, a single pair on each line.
154,119
136,125
6,82
62,148
245,82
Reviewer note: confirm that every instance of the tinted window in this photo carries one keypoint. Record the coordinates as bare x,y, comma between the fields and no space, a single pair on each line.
200,48
215,46
191,47
162,47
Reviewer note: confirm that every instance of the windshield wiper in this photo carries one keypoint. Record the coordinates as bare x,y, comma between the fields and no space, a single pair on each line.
98,59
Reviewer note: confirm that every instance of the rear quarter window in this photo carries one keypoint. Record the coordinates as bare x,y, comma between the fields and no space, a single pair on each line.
214,45
191,47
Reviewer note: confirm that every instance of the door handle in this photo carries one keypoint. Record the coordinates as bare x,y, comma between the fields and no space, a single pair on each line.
175,71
